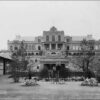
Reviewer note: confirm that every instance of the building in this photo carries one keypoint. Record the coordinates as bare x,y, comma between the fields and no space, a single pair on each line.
49,49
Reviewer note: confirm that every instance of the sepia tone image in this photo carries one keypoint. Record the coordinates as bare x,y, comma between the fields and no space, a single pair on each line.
49,50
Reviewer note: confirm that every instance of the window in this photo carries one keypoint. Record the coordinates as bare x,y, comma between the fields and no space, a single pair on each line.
60,46
33,47
36,53
39,40
32,53
11,48
37,67
59,38
26,46
67,47
74,48
29,54
53,38
47,38
67,40
46,46
29,47
39,48
16,48
35,60
53,46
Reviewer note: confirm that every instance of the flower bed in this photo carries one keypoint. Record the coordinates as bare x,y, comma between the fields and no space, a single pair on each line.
90,82
31,82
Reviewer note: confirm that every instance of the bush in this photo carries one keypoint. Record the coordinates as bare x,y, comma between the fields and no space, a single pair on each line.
90,82
98,78
15,76
31,82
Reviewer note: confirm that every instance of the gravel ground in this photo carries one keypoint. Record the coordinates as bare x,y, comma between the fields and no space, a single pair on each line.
47,91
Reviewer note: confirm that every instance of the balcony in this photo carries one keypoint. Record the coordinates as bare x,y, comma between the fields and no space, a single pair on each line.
54,54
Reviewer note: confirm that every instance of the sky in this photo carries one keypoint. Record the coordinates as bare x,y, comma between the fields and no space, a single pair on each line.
31,18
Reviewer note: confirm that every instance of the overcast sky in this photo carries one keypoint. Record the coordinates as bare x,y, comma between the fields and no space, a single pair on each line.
31,18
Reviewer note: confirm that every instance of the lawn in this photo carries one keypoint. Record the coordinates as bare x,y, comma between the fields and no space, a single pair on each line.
47,91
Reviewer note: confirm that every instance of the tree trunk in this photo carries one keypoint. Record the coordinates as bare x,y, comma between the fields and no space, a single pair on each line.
30,75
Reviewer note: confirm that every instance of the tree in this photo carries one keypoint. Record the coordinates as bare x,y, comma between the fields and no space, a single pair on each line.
29,68
19,62
85,56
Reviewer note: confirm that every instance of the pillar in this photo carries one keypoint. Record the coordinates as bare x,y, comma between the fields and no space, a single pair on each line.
4,67
50,46
56,46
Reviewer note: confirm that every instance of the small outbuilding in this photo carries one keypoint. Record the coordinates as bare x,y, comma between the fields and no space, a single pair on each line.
5,59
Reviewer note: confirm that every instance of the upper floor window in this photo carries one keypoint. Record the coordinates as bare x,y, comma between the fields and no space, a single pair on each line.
11,48
25,46
39,40
30,47
47,38
33,46
67,40
53,38
59,38
67,47
16,48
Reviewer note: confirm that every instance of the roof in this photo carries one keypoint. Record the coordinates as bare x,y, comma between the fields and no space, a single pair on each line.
25,38
80,38
6,55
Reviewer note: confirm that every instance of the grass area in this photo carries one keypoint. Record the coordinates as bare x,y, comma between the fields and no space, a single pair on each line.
46,91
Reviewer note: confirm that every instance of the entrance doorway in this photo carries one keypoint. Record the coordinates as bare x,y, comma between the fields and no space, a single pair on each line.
56,70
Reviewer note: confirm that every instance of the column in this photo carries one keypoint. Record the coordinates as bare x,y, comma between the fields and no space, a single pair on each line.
50,46
56,46
63,47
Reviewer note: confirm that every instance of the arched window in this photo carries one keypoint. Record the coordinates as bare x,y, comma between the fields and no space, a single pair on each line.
67,47
47,38
39,48
59,38
53,38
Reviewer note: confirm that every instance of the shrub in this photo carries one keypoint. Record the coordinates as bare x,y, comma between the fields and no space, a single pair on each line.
90,82
31,82
98,78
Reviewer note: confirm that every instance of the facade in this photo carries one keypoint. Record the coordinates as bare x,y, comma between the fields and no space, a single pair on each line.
50,48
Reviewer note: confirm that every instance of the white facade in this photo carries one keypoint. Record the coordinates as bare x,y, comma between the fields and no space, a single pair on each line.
50,48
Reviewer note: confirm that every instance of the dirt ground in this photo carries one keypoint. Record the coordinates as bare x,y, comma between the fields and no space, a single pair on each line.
46,91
